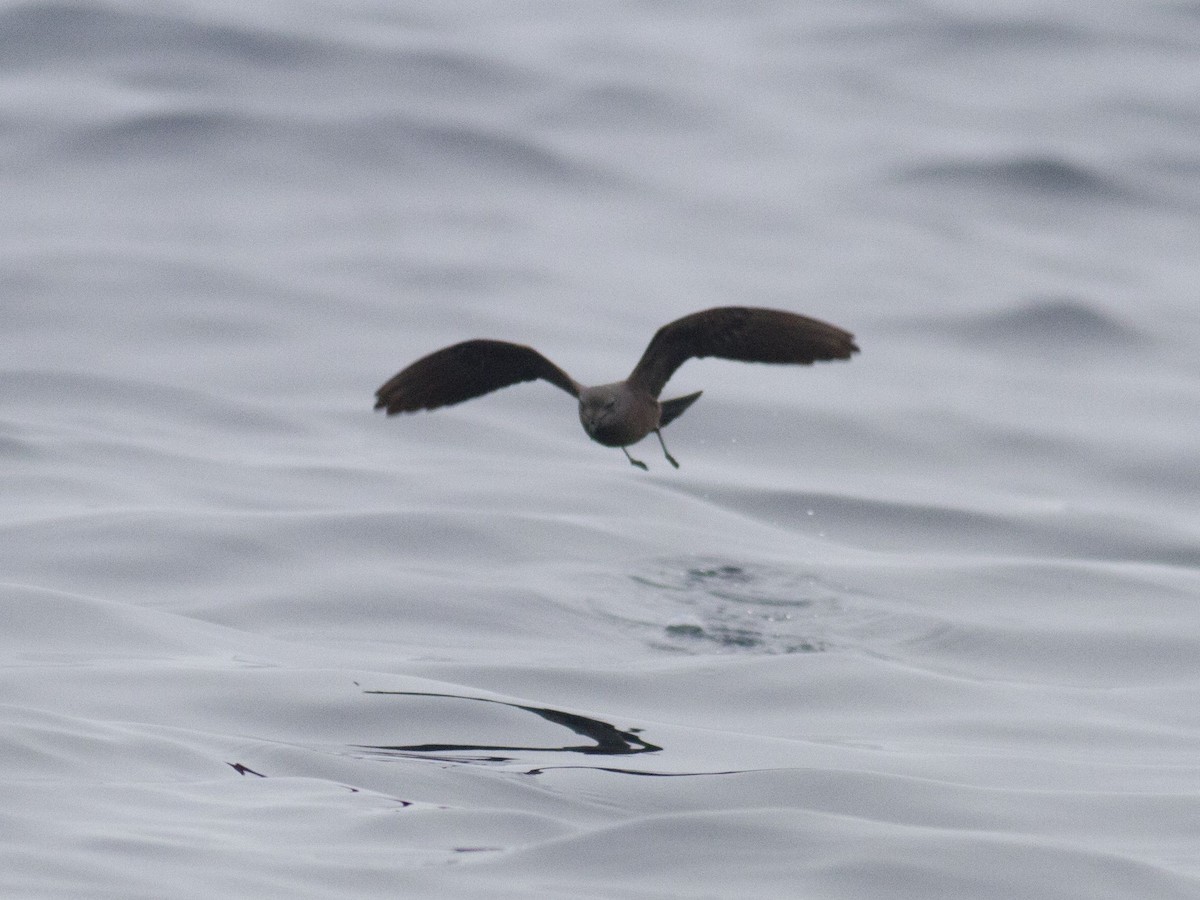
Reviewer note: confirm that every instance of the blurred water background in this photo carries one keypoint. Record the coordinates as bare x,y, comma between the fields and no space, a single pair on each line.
920,625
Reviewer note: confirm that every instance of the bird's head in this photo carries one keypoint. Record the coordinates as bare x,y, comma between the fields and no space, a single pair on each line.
600,408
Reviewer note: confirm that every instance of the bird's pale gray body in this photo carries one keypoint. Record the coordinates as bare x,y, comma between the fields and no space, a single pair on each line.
615,416
622,413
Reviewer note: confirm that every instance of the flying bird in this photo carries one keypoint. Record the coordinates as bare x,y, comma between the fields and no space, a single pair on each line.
622,413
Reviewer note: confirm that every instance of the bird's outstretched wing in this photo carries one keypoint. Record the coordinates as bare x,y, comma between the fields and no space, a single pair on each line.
741,333
462,371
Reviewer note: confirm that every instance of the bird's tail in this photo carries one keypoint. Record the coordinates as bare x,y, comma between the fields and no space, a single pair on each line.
673,409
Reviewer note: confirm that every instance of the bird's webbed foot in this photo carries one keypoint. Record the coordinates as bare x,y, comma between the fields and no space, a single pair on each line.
637,462
666,453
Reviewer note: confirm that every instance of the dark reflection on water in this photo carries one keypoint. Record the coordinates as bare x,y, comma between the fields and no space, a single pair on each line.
608,739
648,774
244,770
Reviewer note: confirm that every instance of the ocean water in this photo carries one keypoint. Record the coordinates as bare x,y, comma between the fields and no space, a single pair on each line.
924,624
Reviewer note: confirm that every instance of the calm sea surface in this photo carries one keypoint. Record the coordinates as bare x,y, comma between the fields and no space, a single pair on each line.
921,625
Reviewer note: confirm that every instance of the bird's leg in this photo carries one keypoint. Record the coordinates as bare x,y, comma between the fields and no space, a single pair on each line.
666,453
637,462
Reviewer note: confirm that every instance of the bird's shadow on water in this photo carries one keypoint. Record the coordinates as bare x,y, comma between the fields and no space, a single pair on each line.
605,739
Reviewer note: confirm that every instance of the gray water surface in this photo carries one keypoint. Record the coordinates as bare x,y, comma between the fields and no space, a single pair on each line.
924,624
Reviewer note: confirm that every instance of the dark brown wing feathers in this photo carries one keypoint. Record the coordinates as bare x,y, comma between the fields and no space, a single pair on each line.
740,333
463,371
